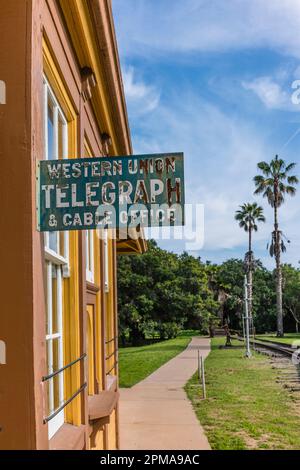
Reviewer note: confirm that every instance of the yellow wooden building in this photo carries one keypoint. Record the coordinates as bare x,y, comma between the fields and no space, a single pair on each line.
58,316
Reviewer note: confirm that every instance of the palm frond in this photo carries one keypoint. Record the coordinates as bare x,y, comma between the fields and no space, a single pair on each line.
290,167
292,180
275,173
291,190
282,246
248,215
264,167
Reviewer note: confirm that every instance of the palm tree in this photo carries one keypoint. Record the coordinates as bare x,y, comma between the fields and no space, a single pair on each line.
274,184
248,216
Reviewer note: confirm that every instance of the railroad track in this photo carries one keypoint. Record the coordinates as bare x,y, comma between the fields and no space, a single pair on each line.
276,347
288,371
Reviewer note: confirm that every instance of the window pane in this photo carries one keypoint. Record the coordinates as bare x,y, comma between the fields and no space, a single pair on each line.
55,328
53,325
106,261
88,260
54,242
48,294
90,255
49,383
48,358
56,367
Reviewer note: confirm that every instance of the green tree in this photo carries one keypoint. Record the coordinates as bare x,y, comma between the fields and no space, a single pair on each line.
230,285
264,300
195,283
160,293
274,184
248,217
230,280
291,292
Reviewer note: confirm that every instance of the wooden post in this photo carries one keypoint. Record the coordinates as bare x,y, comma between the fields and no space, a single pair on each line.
203,379
199,366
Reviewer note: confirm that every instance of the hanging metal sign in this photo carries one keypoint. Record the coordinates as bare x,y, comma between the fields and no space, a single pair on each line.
115,192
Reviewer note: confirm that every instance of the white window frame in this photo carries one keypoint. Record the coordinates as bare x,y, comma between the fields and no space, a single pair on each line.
90,256
58,113
57,267
106,261
54,270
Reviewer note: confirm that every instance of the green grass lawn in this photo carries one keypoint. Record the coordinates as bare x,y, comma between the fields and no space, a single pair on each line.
245,407
139,362
288,337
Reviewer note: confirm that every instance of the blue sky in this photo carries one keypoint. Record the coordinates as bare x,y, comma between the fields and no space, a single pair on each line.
214,79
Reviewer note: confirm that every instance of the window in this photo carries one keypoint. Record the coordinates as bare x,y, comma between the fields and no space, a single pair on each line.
57,263
106,261
90,236
90,253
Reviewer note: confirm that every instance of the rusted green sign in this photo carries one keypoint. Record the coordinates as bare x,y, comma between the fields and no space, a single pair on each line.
115,192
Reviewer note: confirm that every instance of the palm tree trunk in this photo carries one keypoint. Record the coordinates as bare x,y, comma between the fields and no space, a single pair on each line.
278,274
250,274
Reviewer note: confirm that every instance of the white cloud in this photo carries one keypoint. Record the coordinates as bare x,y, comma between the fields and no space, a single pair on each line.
271,93
141,98
147,27
221,150
221,155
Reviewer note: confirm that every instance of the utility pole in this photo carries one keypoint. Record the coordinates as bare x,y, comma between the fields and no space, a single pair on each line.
247,319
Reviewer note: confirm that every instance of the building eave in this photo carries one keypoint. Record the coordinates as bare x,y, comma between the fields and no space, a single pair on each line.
131,246
91,28
101,11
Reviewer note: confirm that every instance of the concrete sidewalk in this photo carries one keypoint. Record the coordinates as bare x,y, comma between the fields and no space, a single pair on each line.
156,414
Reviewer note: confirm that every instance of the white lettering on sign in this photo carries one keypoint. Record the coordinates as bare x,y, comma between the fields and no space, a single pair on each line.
85,169
108,197
114,168
90,194
60,196
125,190
66,196
2,353
2,92
71,191
47,189
157,188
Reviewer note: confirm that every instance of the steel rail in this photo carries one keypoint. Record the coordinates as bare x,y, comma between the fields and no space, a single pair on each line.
275,342
287,351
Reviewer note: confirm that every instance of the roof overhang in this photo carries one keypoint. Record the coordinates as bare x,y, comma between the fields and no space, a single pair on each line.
91,28
131,242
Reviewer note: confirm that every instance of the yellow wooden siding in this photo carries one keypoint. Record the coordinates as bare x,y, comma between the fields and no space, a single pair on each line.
90,349
110,311
112,432
98,282
85,42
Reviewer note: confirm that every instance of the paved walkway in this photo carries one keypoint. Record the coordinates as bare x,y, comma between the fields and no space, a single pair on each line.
156,414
